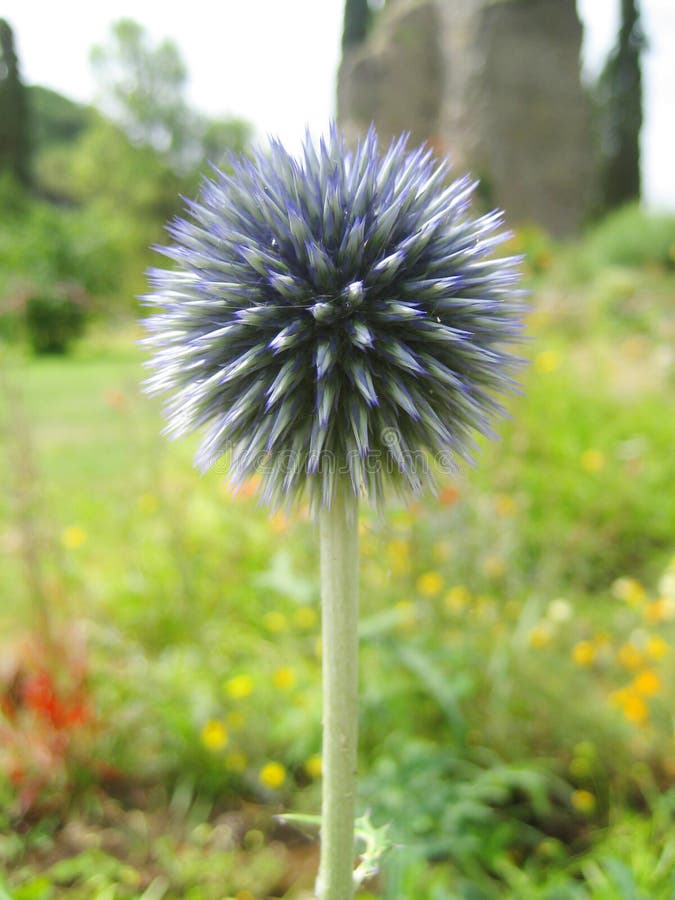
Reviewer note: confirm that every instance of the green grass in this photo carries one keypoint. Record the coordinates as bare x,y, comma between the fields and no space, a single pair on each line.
506,735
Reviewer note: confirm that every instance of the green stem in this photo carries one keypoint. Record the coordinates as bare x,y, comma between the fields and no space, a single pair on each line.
339,537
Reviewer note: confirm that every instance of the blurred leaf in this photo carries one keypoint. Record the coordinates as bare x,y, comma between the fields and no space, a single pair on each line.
447,692
281,578
622,880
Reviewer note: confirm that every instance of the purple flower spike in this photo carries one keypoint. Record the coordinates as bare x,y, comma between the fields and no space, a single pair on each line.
340,312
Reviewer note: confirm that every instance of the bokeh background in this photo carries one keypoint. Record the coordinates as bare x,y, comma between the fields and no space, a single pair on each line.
159,636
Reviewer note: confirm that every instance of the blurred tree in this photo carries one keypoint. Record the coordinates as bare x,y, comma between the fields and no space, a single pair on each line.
357,20
223,135
143,88
14,121
55,119
109,171
57,123
619,113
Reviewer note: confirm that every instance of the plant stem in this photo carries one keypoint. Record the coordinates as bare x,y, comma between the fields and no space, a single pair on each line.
339,537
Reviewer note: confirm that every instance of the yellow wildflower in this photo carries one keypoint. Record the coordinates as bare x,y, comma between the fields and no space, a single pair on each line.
398,552
272,775
494,566
305,617
448,495
635,709
629,590
583,653
314,766
546,361
236,761
278,522
115,398
592,460
214,735
583,801
250,487
647,683
73,537
540,636
147,504
284,678
656,647
275,621
660,610
430,584
505,505
629,656
631,704
549,848
457,598
239,687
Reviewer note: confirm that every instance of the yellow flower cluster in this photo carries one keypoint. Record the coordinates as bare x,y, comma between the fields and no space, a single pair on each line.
583,653
284,678
239,687
547,361
592,461
631,704
583,801
541,634
219,733
272,775
398,554
639,655
314,766
73,537
626,663
214,735
430,584
457,599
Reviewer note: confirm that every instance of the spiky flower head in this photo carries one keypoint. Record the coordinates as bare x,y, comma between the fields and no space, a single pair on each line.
337,314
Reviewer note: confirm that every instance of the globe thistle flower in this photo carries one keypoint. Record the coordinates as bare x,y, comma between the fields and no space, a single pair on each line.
338,312
331,322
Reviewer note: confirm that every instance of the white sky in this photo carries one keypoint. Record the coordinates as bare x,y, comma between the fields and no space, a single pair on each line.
274,62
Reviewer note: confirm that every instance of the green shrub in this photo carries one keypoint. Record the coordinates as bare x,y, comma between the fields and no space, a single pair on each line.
54,321
632,237
446,803
11,317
